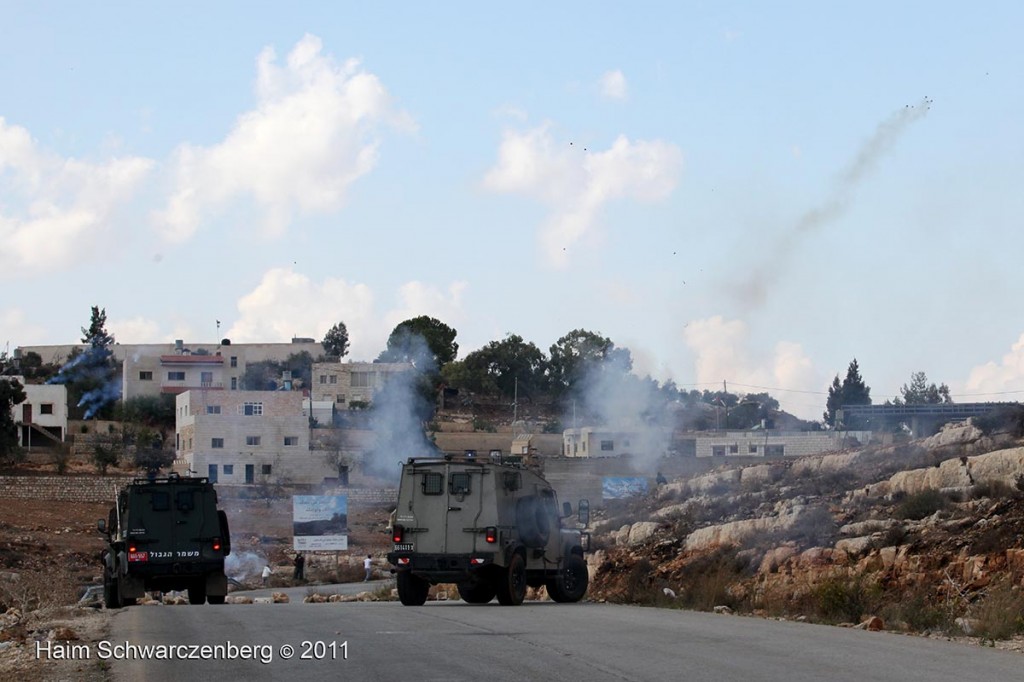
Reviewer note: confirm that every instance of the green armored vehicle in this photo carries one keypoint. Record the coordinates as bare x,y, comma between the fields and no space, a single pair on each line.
165,534
491,526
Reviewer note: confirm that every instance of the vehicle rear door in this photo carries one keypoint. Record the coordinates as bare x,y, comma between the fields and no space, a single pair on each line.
464,492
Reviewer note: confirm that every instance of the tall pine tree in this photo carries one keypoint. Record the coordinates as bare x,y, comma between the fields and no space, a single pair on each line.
852,391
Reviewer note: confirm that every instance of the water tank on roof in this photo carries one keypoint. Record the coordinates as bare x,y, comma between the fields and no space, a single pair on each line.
225,342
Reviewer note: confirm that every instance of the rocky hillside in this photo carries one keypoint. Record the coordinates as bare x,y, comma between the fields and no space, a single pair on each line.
926,536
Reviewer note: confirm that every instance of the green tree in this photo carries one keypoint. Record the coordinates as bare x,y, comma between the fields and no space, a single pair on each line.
579,353
91,376
495,368
11,393
335,341
852,391
920,392
406,343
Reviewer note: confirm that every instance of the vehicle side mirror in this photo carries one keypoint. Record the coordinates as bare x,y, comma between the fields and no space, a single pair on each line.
101,525
566,509
584,512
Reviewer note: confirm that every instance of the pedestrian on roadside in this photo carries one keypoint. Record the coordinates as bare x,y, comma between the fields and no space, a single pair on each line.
368,567
300,567
266,574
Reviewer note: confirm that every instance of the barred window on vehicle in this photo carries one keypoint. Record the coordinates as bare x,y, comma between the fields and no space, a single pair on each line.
433,483
459,483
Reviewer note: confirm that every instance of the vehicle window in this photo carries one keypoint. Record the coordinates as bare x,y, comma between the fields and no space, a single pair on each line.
183,500
513,480
433,483
160,501
459,484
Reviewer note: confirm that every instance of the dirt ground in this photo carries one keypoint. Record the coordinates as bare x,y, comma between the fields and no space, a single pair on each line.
49,555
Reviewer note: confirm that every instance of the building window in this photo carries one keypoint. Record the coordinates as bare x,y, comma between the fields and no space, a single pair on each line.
291,440
360,379
251,409
323,378
252,441
607,445
718,451
206,379
234,383
213,409
217,443
341,398
334,379
265,469
229,469
734,449
752,449
175,376
46,408
234,363
145,376
774,450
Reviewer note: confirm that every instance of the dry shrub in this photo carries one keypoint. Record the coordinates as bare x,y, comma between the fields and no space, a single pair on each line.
922,504
39,589
1000,615
919,611
844,598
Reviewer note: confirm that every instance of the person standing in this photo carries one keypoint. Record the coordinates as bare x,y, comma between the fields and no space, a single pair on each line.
300,567
266,574
368,567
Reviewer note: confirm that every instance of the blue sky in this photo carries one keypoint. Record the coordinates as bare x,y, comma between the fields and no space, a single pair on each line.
731,190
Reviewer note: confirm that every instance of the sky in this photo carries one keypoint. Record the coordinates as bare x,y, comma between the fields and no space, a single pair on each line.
734,191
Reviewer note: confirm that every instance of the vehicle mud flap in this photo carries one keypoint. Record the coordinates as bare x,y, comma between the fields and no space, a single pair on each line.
216,585
132,588
532,522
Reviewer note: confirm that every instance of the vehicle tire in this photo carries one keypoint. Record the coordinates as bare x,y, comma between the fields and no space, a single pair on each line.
111,595
412,590
215,598
197,593
129,601
511,582
476,590
571,583
532,522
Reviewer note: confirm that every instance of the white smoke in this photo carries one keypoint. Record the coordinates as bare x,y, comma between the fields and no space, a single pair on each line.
243,565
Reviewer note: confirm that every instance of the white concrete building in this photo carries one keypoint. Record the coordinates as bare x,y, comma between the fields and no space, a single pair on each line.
43,416
247,437
589,441
345,383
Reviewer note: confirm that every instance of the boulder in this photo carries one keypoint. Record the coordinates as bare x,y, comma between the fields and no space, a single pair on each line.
279,598
641,532
238,600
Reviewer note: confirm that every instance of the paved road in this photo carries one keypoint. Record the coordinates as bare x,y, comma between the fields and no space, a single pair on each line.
452,641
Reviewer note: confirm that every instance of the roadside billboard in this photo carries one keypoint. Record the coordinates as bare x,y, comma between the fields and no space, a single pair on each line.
320,522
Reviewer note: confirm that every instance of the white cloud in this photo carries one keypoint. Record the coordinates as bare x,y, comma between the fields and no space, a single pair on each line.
138,330
577,183
18,331
723,351
992,378
287,304
311,135
613,85
54,209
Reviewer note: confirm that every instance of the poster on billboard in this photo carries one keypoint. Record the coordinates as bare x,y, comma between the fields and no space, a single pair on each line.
622,487
320,522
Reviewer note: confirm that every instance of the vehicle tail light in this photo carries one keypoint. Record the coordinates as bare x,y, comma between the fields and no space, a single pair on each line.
492,534
216,544
477,561
403,561
132,548
397,533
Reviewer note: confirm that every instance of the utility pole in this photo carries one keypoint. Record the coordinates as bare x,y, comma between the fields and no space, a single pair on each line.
725,401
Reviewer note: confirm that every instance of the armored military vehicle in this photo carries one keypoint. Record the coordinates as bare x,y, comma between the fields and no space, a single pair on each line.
491,525
165,534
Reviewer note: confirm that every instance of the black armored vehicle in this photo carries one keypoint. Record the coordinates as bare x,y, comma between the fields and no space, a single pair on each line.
165,534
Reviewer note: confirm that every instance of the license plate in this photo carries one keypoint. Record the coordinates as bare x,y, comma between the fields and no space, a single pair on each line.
403,546
138,556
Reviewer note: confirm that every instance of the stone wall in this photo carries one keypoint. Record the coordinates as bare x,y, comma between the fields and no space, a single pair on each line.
62,488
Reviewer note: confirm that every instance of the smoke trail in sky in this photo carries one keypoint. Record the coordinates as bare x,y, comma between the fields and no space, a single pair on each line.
752,291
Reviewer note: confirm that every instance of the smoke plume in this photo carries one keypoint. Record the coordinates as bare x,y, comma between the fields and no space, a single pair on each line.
752,291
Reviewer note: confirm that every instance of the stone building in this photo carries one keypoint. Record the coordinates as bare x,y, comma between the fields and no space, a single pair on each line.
346,383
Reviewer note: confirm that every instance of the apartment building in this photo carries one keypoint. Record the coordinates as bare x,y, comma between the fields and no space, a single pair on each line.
247,437
346,383
42,418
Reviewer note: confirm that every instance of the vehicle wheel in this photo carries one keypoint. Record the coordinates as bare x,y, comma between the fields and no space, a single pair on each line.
412,591
197,593
511,583
111,596
129,601
215,599
571,583
532,522
476,590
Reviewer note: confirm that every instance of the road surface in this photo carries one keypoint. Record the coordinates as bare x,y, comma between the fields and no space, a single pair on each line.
452,641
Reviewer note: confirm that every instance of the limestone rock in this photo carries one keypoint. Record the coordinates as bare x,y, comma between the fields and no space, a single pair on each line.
641,532
238,599
279,598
